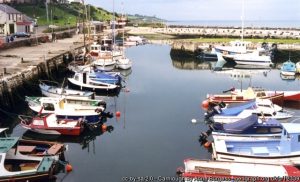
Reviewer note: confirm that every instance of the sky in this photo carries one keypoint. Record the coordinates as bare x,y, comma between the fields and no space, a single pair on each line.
205,9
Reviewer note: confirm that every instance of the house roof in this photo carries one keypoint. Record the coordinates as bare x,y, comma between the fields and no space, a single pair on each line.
7,9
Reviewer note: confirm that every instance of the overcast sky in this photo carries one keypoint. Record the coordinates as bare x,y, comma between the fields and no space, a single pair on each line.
206,9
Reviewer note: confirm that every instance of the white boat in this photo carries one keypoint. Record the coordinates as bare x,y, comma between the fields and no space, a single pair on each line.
235,47
105,63
55,91
82,81
208,170
134,40
264,108
67,107
257,58
123,63
18,167
298,67
283,151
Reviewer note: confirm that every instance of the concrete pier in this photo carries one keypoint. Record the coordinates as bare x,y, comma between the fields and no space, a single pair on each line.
22,66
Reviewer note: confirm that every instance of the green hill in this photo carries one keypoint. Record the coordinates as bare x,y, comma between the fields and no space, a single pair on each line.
63,14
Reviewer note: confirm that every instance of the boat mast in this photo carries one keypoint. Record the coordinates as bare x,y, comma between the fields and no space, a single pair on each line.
243,14
114,24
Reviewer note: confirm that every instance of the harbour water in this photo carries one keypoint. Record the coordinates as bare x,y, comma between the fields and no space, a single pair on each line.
154,133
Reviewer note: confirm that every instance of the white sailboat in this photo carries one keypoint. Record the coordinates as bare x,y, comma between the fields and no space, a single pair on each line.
123,62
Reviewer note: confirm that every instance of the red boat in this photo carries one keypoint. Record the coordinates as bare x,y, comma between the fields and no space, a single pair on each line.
203,170
288,95
238,96
49,124
291,95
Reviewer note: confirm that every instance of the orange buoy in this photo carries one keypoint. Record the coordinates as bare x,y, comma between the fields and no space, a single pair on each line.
118,114
205,104
207,144
104,127
69,168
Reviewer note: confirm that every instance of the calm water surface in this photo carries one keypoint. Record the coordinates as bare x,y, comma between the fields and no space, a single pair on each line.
154,133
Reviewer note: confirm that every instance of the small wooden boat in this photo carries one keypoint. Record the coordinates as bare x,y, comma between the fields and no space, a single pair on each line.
250,93
68,107
207,170
49,124
54,150
288,68
17,167
292,95
55,91
285,151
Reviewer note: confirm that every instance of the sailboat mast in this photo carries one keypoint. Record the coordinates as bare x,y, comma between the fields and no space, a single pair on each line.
243,14
114,24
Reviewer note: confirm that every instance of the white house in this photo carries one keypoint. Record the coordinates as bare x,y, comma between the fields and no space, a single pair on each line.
12,20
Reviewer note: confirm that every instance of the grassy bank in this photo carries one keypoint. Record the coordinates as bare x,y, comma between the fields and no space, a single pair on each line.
62,14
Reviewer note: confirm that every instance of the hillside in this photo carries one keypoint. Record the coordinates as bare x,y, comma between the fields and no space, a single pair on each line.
68,14
63,14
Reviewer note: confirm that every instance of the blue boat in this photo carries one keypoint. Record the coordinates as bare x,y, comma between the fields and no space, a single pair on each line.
251,128
271,151
288,68
106,77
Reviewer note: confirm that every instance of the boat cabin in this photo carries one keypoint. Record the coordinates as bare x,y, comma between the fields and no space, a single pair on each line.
290,138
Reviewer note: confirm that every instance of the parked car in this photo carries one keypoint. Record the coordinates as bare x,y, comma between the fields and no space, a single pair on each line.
21,34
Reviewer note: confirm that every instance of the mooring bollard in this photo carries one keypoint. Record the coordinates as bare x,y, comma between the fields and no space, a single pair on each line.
22,60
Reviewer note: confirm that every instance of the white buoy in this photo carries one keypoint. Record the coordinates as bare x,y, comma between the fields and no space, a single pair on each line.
194,121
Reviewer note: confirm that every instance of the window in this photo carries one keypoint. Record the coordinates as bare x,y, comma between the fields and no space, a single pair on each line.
48,107
276,130
262,130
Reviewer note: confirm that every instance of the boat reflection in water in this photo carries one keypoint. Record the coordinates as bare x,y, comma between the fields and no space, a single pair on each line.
288,77
237,74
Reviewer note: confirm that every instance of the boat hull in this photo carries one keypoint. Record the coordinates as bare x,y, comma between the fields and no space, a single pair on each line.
28,177
52,131
282,159
276,98
97,89
243,137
